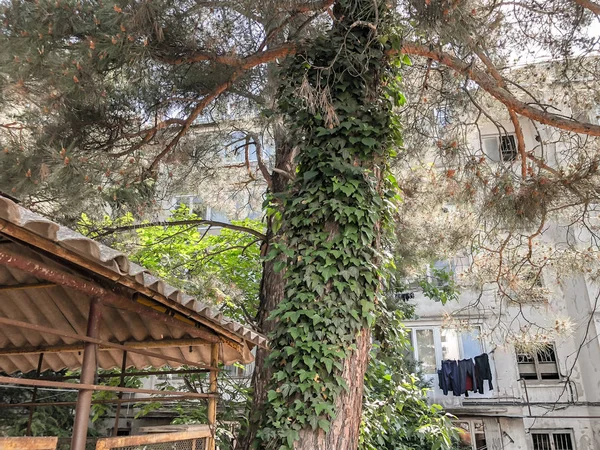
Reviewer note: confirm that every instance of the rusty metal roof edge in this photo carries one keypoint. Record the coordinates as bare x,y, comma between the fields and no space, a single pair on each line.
117,262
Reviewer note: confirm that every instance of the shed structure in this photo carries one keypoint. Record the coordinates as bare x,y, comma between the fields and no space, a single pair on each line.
69,302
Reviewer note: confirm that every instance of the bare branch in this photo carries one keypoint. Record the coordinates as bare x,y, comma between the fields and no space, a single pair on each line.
246,64
513,116
259,160
106,231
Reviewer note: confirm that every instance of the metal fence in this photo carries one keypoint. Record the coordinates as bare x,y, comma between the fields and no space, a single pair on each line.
187,440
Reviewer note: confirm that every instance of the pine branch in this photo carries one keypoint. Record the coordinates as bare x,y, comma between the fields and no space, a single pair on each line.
513,116
492,87
244,65
588,4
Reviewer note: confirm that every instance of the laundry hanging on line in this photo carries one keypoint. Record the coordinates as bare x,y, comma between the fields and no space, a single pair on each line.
460,377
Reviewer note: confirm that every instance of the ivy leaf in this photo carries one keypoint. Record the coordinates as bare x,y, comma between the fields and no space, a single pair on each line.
320,407
369,141
271,395
309,361
324,425
309,175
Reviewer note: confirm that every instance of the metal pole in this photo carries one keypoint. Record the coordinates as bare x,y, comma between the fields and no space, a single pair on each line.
212,402
120,394
526,394
88,373
34,396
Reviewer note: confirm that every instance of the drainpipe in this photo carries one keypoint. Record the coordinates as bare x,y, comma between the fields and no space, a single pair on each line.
526,394
501,432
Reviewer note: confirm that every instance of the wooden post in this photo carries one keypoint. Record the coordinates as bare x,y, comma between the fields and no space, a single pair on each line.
212,401
120,394
34,395
88,374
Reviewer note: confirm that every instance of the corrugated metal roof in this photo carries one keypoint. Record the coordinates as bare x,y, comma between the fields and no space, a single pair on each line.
66,309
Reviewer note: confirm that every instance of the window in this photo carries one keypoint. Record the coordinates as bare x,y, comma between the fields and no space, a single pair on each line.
431,345
500,148
552,440
239,370
442,116
508,147
471,434
235,150
538,365
440,272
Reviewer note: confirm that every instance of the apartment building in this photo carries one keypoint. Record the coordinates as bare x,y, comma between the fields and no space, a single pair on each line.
545,398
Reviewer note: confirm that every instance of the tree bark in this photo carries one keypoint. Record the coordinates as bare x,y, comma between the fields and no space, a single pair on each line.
344,431
271,294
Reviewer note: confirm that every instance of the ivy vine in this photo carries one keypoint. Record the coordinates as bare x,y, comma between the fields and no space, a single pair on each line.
338,95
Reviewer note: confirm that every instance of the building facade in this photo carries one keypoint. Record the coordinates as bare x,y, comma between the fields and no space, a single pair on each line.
542,398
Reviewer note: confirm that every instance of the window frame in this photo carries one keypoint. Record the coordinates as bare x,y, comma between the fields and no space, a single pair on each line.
194,203
447,265
551,433
537,364
498,139
472,432
442,117
437,341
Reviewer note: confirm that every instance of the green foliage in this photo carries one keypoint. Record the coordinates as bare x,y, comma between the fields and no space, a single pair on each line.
223,266
395,410
334,214
85,82
440,286
100,410
46,421
396,415
63,67
232,411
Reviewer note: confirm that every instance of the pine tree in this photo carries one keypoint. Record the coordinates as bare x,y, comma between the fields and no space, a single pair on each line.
119,102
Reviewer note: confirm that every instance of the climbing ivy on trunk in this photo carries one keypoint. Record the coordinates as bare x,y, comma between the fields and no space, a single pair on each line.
338,95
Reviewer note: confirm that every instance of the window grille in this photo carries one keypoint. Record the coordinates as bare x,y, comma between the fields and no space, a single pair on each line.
541,441
541,365
552,441
508,147
562,441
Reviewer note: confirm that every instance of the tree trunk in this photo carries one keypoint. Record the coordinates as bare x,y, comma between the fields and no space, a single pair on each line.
333,213
271,294
345,428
